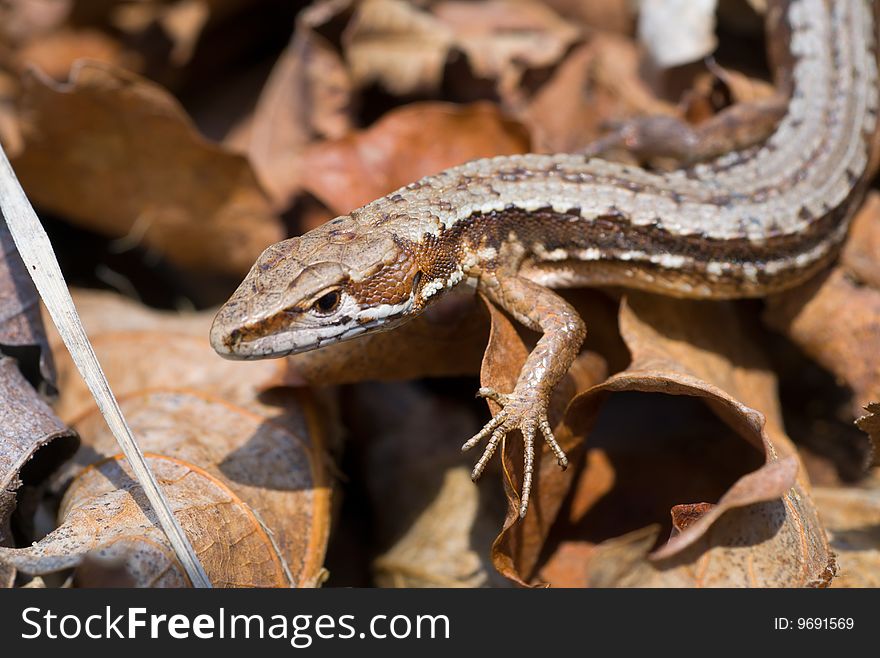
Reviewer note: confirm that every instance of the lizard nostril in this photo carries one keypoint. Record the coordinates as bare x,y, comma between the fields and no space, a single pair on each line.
222,340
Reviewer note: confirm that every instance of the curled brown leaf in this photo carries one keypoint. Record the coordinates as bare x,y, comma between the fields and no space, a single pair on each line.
33,443
763,531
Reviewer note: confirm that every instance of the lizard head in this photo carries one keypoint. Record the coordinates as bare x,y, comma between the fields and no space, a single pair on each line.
331,284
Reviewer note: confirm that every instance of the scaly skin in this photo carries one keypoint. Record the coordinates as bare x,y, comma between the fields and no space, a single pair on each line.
756,220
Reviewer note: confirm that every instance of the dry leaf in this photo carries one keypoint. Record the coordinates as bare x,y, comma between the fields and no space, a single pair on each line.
519,543
686,515
274,467
33,443
861,253
115,153
398,45
21,328
142,349
703,102
602,15
263,450
308,96
606,74
103,517
406,49
440,532
438,549
835,318
182,22
406,144
503,40
10,136
836,322
675,476
762,532
852,517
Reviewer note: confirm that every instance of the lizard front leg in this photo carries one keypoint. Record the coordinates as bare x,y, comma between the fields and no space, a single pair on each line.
525,408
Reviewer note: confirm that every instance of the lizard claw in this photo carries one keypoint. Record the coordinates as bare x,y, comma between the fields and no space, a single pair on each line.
517,413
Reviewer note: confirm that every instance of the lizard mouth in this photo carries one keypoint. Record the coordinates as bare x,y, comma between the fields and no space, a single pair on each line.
267,339
252,342
232,346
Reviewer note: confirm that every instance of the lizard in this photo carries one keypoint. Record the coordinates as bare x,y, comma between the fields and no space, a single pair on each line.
756,220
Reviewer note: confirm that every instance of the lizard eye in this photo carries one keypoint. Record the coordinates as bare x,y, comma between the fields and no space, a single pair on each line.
327,302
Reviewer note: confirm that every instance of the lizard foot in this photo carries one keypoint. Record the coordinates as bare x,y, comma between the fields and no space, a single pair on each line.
518,413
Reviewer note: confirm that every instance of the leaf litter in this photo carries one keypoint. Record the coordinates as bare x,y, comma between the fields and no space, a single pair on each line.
682,472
